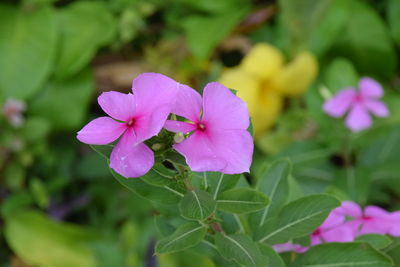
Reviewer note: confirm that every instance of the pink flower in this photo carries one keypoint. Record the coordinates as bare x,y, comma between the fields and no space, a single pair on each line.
286,247
333,229
373,220
218,122
12,111
359,104
137,118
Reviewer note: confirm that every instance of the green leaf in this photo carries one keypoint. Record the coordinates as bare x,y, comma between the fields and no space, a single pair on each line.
42,242
84,27
341,74
393,13
242,200
324,33
219,182
27,49
159,176
342,255
274,183
186,236
162,195
240,248
203,33
64,104
39,192
375,240
274,259
35,128
298,218
197,205
366,41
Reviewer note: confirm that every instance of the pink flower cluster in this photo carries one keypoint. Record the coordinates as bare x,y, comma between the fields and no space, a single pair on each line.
347,222
359,104
218,122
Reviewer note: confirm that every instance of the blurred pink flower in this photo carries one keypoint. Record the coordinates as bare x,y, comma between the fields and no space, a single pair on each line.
12,111
332,229
137,118
358,104
373,220
220,140
286,247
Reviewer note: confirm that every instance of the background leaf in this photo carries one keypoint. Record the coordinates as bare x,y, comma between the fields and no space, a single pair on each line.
28,42
84,27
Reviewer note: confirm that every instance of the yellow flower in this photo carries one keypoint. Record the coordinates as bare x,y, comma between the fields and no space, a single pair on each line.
262,80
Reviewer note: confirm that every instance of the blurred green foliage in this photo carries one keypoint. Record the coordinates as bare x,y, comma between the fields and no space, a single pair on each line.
60,205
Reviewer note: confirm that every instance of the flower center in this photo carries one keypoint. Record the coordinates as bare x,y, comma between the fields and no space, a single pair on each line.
131,122
201,126
316,232
366,218
358,98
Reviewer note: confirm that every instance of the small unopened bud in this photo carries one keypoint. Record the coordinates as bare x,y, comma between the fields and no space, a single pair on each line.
157,146
179,137
324,92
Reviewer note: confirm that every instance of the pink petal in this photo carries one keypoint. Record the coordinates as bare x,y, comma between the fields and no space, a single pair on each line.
101,131
199,153
130,159
377,108
333,219
350,209
369,88
394,228
179,126
375,226
338,105
228,151
117,105
150,124
358,118
152,91
188,103
341,233
222,109
376,212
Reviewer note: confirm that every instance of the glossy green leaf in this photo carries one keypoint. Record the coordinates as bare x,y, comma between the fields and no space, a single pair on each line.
162,195
219,182
42,242
64,104
240,248
84,27
342,255
28,42
159,176
274,182
298,218
242,200
274,259
375,240
197,205
186,236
